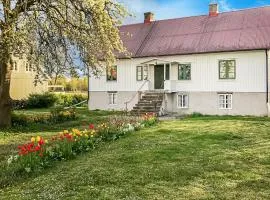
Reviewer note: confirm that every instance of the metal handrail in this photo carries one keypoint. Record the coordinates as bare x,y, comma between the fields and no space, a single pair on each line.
76,104
137,92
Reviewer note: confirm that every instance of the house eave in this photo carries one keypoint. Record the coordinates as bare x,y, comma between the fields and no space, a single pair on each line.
192,53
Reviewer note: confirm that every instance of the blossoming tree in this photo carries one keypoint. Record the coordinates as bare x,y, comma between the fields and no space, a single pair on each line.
47,33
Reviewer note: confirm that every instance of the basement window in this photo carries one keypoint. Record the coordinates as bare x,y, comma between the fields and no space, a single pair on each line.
225,101
182,101
112,98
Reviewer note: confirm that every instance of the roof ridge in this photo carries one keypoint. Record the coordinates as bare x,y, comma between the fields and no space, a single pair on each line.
232,31
203,15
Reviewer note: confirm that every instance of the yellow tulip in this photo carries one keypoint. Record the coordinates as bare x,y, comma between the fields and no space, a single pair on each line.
38,138
33,139
65,131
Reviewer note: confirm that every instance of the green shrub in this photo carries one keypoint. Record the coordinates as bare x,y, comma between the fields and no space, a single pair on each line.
25,120
19,104
45,100
196,114
59,114
70,99
48,100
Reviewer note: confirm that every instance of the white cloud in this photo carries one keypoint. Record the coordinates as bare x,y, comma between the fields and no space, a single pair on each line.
225,6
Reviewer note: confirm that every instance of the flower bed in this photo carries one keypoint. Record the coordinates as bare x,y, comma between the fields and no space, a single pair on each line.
40,153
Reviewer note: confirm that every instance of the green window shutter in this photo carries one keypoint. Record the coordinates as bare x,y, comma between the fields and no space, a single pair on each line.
139,73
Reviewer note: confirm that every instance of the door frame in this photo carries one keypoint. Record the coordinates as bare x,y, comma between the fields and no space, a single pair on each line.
159,65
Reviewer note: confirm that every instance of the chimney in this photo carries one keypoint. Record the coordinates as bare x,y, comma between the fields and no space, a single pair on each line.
148,17
213,9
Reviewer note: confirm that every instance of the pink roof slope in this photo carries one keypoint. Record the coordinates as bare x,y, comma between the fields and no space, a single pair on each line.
231,31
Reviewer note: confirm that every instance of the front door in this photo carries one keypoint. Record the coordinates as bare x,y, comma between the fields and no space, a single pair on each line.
159,76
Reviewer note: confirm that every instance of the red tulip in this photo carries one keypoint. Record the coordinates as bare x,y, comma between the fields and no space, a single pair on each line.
41,142
37,148
91,126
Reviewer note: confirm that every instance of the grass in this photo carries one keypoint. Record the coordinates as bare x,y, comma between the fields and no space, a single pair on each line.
195,158
10,138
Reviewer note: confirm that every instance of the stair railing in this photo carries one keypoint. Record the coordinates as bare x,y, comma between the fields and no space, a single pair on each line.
137,93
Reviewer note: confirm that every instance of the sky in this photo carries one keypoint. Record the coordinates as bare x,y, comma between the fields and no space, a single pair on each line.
167,9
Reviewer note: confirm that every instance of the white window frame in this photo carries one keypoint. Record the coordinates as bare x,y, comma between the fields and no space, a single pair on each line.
225,105
145,72
112,98
181,104
142,73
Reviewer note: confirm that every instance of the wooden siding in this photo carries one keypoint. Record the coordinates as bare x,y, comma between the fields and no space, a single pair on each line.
250,73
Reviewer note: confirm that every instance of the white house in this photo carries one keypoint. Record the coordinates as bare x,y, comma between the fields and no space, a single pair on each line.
215,64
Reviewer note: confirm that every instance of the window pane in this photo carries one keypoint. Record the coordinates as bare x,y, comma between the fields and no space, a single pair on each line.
222,69
182,101
112,73
167,72
145,73
231,75
184,72
227,69
112,98
139,73
225,101
231,69
185,101
188,73
26,67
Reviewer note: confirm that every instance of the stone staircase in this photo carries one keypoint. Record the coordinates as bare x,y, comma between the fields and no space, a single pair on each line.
150,102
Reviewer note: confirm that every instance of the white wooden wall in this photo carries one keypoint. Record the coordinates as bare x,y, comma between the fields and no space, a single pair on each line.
250,73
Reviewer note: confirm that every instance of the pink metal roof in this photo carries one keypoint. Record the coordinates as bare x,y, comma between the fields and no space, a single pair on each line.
231,31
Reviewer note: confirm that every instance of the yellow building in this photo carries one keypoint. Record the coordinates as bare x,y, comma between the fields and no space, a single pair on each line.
23,80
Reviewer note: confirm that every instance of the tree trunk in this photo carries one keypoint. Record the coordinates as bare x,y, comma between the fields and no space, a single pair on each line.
5,100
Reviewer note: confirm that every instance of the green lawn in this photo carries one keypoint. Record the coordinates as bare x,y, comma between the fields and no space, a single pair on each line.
11,138
195,158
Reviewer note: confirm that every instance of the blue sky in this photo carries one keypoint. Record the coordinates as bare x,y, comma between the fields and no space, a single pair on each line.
166,9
